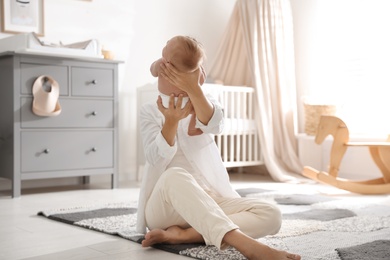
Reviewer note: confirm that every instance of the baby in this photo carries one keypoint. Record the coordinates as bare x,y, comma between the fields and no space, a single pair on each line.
187,55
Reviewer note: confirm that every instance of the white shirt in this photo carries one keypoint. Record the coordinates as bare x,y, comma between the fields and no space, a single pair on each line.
200,151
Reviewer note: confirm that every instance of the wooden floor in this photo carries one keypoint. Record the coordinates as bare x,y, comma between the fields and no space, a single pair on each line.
24,235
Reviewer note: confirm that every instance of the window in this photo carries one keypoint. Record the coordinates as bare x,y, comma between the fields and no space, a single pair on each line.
351,62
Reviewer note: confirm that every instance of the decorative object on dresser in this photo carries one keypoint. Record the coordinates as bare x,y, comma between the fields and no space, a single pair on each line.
46,92
82,140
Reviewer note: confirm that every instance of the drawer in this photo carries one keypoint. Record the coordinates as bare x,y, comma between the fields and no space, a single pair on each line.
93,82
30,72
61,150
75,113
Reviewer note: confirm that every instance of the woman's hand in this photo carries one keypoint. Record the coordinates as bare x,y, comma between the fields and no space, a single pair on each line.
189,82
173,114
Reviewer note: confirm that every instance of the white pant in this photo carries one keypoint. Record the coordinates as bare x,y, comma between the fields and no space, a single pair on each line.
177,199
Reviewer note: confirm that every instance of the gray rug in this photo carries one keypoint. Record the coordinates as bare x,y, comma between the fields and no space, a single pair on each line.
315,226
376,250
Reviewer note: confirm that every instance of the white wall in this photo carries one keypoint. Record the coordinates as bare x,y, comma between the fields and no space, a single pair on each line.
136,31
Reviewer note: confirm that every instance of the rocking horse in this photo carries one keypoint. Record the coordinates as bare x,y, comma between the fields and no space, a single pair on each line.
380,153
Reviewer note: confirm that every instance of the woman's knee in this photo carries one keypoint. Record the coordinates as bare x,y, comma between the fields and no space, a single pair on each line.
274,218
269,215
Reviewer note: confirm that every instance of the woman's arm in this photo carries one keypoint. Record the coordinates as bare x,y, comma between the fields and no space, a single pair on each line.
203,75
156,149
159,130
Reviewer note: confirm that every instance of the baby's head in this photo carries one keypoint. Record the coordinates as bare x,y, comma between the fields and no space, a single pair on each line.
186,54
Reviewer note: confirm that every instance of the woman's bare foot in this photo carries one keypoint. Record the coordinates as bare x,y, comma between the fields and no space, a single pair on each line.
155,236
271,253
250,248
172,235
253,249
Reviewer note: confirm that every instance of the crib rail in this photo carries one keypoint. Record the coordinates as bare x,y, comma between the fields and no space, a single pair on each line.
238,143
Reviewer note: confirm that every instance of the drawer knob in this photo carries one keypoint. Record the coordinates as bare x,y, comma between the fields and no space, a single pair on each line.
94,82
94,149
46,151
94,113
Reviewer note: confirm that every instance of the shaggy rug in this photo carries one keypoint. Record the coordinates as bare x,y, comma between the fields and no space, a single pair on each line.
315,226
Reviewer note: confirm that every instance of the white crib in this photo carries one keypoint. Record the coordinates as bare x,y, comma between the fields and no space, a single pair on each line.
238,143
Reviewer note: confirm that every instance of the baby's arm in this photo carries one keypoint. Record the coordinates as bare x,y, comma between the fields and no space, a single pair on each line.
155,67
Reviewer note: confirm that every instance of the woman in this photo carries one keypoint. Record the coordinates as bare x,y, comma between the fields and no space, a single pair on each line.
186,196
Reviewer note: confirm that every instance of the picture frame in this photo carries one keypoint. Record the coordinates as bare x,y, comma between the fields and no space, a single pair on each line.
22,16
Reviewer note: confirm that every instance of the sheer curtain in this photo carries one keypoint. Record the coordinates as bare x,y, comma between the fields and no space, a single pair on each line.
257,50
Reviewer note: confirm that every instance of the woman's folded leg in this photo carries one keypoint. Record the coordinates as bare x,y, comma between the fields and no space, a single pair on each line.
178,200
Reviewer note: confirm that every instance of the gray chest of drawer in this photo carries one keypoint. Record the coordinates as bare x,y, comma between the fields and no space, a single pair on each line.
81,141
